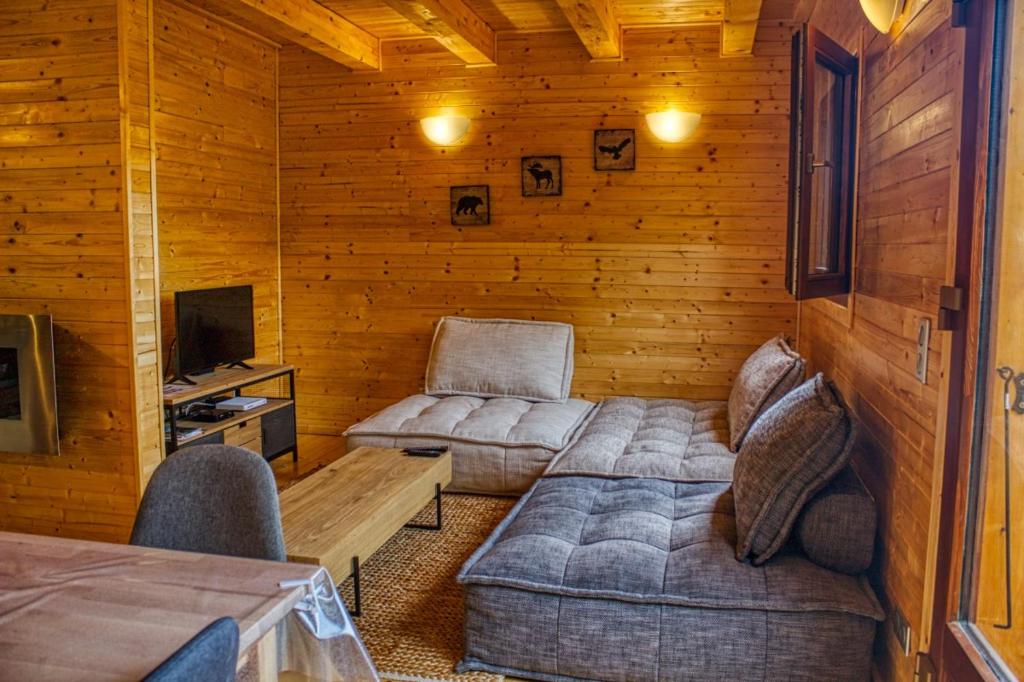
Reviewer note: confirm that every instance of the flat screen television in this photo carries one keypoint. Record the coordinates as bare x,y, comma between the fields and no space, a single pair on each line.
214,327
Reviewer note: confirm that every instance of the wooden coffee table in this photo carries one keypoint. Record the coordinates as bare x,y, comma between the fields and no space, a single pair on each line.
343,513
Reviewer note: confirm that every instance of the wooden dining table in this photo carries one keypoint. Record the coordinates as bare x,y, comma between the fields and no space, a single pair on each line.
79,610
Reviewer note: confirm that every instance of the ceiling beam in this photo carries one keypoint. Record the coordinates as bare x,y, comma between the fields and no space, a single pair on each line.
739,26
454,24
309,24
596,26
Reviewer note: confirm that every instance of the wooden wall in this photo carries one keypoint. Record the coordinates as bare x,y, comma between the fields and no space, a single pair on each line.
904,245
671,274
65,252
215,122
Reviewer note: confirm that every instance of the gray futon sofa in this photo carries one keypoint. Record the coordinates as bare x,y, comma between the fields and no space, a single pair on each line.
687,541
497,395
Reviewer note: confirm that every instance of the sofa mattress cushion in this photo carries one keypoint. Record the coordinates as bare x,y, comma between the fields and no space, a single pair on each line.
601,579
499,446
501,358
509,422
673,440
653,542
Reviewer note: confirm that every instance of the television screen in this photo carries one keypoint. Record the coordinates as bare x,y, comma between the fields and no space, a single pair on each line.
214,327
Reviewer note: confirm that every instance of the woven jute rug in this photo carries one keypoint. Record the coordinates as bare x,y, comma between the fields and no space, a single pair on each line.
412,606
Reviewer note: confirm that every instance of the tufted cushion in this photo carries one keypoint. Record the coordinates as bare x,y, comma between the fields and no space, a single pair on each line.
675,440
767,375
837,527
501,358
499,445
793,450
598,578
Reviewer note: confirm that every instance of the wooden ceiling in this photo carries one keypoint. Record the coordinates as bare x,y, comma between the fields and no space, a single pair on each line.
350,31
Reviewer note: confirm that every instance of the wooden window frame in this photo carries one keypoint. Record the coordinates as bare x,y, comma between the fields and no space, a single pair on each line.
811,46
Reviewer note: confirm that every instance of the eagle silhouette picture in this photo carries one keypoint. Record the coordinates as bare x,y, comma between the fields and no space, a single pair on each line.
614,150
470,205
542,176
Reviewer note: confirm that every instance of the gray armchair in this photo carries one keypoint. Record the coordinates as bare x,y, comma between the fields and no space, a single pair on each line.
214,499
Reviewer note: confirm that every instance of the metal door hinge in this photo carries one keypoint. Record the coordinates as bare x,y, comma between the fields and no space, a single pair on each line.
924,669
951,302
958,16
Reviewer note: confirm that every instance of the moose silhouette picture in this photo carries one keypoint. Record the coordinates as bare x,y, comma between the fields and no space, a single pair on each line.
471,205
542,176
614,150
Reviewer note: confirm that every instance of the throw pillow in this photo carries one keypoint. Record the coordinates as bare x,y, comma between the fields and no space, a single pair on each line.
791,452
768,374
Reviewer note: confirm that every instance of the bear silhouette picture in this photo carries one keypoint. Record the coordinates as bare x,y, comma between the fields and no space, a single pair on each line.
542,176
470,205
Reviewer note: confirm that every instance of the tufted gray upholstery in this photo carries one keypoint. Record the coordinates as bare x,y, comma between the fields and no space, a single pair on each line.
673,440
214,499
836,528
499,445
590,576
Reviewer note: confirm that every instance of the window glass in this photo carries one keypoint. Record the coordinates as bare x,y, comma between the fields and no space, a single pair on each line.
827,156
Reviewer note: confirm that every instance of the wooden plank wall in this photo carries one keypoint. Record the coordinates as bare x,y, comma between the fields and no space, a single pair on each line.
904,245
215,122
135,41
671,274
64,252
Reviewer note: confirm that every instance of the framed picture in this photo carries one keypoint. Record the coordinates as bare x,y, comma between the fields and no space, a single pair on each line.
542,176
471,205
615,150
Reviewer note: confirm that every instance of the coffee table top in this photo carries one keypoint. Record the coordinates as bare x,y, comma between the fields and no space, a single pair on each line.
355,504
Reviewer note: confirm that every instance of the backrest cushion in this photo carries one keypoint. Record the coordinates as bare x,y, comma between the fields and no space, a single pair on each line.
501,359
837,527
768,374
791,452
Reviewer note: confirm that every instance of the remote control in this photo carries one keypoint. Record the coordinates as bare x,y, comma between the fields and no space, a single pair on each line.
425,452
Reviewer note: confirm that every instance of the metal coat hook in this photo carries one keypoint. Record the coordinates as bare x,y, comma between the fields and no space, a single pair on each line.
1012,384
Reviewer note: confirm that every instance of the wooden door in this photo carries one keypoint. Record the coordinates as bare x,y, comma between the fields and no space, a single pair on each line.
981,631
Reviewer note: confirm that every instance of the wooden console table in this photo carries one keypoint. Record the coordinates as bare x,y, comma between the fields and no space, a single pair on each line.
269,429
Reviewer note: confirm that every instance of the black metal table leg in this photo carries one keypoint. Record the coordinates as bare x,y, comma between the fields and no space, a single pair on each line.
437,505
358,610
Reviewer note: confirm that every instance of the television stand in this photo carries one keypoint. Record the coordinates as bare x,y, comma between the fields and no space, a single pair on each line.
238,364
269,429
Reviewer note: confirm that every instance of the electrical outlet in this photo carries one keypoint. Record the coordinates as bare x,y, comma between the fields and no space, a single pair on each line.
924,332
901,628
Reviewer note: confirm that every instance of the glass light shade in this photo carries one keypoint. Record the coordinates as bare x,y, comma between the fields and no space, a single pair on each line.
446,129
882,13
672,125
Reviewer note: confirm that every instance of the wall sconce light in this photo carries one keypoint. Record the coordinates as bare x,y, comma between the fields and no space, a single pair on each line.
446,129
882,13
672,125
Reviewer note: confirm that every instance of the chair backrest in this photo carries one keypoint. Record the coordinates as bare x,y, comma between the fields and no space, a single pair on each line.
215,499
210,656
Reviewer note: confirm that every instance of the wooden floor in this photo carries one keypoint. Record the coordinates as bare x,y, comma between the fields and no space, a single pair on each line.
315,452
